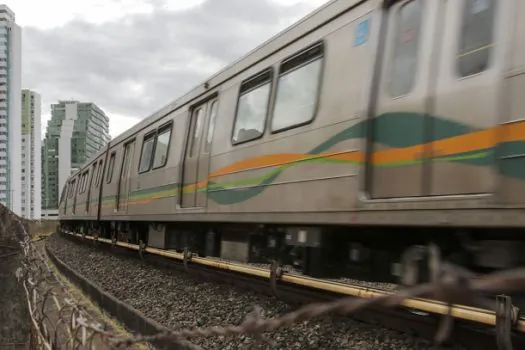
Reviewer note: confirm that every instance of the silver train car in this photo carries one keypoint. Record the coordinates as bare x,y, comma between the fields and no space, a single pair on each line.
367,129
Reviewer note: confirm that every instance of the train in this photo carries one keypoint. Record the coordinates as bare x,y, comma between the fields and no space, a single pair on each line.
366,130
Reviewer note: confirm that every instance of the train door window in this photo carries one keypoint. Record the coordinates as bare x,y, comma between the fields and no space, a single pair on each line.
211,126
111,166
80,184
476,36
161,147
94,175
147,153
406,52
99,173
298,89
252,108
72,188
198,119
84,181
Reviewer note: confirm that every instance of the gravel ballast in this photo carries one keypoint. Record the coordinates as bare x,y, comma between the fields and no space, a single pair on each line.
177,301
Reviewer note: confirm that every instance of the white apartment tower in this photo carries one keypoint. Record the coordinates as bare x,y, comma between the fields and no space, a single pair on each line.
31,155
10,110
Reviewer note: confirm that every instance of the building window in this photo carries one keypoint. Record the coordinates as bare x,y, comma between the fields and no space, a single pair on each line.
476,38
252,108
406,50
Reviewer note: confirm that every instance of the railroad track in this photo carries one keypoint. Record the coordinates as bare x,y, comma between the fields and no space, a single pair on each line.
474,328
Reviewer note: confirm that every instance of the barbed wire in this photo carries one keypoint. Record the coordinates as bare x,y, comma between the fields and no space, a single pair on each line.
58,319
449,283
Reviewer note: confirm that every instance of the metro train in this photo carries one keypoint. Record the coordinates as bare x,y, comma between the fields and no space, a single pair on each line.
365,130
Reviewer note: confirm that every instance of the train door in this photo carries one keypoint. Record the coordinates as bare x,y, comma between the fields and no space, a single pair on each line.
203,169
398,137
467,97
196,160
124,178
511,151
88,200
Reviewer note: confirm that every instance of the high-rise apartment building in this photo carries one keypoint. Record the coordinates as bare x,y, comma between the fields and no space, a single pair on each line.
31,155
10,110
75,132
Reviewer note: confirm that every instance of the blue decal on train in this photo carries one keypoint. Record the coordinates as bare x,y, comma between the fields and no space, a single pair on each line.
361,32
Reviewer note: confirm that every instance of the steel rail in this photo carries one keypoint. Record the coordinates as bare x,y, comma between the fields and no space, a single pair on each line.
461,312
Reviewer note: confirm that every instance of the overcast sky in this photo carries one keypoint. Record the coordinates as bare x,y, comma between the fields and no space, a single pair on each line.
132,57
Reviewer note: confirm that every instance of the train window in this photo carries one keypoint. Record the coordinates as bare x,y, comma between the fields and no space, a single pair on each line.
252,108
99,173
298,89
80,184
111,166
72,188
161,148
147,152
198,120
211,126
84,181
476,36
95,174
406,52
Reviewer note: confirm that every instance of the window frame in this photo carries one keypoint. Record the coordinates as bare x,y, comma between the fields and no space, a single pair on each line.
94,167
321,44
150,135
109,176
155,134
213,101
395,50
460,38
85,176
100,172
80,184
191,145
160,130
252,84
72,188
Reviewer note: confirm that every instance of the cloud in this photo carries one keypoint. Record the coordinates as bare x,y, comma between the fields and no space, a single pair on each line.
134,65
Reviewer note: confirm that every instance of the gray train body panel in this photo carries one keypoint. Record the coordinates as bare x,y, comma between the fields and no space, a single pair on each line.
442,148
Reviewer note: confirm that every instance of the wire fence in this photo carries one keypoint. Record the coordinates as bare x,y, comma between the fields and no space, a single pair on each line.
57,320
60,321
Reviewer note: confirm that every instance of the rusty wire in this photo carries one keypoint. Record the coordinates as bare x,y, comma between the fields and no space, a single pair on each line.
449,283
58,319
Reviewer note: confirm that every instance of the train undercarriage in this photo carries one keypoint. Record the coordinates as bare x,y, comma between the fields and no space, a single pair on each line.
398,255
